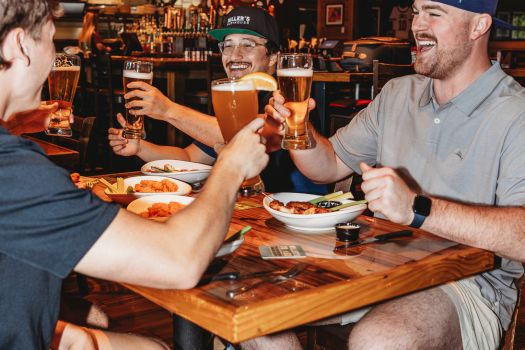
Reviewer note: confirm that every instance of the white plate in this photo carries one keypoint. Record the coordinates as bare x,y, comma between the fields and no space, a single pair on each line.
198,173
230,247
312,223
141,205
183,188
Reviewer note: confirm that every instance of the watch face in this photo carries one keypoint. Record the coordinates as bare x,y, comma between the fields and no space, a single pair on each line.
422,205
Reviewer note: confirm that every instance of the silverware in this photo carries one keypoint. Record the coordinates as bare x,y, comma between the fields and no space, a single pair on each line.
236,276
294,271
379,238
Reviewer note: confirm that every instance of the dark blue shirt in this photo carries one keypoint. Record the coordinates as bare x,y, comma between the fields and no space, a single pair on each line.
46,226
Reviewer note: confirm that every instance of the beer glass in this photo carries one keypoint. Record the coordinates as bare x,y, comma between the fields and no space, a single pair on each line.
294,75
235,104
62,82
135,71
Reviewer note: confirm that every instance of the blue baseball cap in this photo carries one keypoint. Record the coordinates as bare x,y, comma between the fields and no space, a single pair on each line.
479,6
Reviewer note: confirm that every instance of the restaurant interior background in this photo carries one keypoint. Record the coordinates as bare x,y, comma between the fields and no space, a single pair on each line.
178,29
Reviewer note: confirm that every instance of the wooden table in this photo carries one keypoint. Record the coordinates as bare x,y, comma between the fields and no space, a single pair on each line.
61,156
332,283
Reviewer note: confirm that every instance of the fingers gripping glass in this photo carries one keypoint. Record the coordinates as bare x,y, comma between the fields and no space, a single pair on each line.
245,46
62,82
235,104
135,71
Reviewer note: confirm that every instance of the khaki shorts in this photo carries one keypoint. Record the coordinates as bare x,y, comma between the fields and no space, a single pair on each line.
480,326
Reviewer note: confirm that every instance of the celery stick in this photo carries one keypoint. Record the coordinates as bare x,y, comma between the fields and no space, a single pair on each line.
346,205
325,197
347,195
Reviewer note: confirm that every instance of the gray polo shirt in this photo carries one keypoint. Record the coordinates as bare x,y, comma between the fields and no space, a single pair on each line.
471,150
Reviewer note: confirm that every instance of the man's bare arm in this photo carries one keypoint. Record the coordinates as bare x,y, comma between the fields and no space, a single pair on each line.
174,254
498,229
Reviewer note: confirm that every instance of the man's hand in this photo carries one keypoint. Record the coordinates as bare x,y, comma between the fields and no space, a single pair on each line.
32,121
120,145
151,101
277,112
246,152
388,194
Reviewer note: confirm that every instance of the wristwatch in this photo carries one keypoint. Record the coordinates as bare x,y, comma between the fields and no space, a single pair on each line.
421,208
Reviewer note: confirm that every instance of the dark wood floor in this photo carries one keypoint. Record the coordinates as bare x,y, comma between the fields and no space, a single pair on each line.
129,312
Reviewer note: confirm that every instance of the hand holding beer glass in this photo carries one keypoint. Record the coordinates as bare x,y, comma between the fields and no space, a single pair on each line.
294,74
62,82
135,71
235,104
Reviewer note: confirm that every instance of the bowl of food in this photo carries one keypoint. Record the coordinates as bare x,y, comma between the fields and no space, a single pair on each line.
178,169
126,190
295,211
158,207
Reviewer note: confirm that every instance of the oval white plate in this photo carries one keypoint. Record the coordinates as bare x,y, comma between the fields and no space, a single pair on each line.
183,188
198,172
313,223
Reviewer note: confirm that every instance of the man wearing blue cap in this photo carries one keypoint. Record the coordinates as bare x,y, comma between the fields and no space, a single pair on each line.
442,150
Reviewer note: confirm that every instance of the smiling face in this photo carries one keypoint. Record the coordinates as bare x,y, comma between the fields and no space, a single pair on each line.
243,61
442,36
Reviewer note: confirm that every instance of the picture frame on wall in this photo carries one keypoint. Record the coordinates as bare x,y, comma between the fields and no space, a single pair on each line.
503,33
334,14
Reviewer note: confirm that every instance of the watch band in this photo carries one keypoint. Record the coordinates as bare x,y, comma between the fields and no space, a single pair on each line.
418,220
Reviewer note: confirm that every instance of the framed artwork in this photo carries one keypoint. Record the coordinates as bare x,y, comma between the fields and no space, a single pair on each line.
334,14
518,20
503,33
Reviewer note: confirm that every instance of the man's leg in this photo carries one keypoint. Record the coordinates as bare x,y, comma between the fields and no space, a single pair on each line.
423,320
71,337
279,341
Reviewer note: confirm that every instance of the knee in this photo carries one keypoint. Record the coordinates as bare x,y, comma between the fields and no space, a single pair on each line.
379,335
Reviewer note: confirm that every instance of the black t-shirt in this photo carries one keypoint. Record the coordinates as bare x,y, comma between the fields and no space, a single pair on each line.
47,226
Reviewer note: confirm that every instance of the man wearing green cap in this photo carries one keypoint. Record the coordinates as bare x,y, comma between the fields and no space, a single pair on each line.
248,41
442,150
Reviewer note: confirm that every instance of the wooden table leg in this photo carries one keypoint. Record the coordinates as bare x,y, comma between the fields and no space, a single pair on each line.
189,336
320,99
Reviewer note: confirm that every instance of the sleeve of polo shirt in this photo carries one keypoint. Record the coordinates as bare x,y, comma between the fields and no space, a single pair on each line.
46,221
357,142
511,180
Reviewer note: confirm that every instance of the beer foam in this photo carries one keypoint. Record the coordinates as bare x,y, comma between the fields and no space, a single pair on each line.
72,68
295,72
237,86
137,75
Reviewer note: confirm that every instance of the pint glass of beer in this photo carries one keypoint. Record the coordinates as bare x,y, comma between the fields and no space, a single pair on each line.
62,82
135,71
294,75
235,104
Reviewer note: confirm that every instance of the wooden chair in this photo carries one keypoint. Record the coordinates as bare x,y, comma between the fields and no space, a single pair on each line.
510,335
82,130
383,72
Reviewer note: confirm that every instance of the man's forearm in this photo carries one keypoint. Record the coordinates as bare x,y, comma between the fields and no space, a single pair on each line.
498,229
149,152
320,164
199,126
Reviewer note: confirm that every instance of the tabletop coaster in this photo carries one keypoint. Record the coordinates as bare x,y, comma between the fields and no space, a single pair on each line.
247,205
281,252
